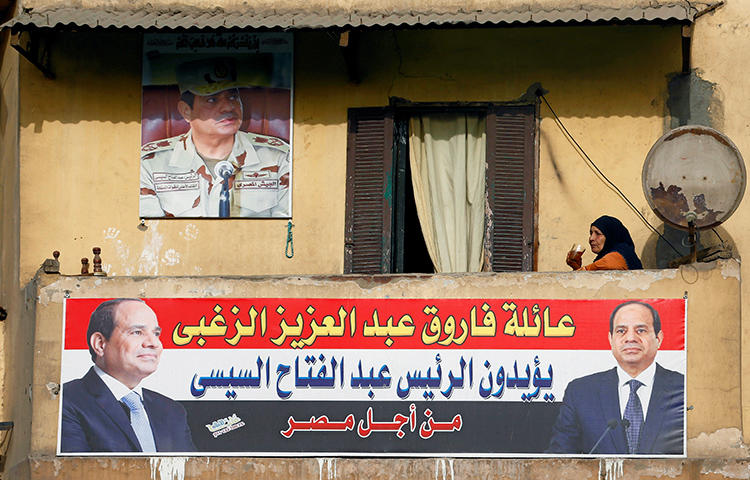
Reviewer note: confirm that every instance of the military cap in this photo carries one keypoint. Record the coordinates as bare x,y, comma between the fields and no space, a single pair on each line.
207,76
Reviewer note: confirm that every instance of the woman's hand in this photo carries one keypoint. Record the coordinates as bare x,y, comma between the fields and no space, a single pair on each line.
574,259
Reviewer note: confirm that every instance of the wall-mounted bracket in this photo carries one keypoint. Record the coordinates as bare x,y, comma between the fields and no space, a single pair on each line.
33,45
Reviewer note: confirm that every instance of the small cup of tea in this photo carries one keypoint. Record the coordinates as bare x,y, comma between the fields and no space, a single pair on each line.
576,251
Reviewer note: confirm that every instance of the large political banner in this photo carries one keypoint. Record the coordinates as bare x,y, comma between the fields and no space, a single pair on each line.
354,376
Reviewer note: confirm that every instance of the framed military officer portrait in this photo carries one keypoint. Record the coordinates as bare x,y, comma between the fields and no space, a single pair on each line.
216,125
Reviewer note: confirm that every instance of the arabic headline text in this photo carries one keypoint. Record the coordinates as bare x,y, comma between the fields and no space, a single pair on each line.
380,323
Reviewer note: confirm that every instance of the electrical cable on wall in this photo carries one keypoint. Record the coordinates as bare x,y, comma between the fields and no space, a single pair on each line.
591,162
719,236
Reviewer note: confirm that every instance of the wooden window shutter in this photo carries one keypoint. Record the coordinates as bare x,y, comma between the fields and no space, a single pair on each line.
511,164
369,191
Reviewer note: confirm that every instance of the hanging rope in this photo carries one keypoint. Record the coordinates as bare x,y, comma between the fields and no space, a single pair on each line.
289,251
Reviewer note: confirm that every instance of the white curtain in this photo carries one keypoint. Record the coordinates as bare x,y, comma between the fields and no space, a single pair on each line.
447,157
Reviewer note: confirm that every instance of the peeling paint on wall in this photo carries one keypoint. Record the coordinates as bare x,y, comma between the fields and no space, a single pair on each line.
727,468
725,442
694,101
510,469
447,473
53,389
610,468
730,270
625,280
330,464
671,470
170,468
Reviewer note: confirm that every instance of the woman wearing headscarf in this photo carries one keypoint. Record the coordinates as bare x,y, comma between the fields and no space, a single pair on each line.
611,242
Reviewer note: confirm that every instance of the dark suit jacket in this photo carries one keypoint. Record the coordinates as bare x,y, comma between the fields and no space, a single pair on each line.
94,421
591,402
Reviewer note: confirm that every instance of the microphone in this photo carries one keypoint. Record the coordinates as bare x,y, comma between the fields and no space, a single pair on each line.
224,169
625,423
611,424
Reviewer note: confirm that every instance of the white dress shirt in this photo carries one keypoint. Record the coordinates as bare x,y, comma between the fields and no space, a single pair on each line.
118,389
646,377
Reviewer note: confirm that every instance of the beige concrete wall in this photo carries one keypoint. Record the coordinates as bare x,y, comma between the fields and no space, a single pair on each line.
82,130
8,182
720,55
713,375
16,334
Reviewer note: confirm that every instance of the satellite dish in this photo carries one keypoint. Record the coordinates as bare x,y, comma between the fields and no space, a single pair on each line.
694,178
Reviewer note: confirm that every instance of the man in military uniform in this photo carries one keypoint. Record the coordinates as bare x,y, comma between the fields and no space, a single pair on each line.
179,176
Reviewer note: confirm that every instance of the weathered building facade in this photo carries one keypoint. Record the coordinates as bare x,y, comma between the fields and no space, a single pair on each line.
618,74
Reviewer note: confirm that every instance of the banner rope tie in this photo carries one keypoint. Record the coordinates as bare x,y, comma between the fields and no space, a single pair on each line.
289,250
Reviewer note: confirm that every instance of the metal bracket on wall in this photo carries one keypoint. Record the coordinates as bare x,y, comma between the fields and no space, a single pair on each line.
34,47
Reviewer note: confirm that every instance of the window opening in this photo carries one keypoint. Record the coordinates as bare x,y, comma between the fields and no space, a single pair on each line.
410,250
383,232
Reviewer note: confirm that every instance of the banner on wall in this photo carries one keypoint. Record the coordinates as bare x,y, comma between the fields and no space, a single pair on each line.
216,125
398,377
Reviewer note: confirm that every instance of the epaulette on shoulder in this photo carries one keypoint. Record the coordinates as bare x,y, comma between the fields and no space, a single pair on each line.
161,145
267,141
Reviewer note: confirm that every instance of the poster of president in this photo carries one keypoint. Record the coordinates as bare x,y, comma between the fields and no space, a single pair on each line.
466,377
216,125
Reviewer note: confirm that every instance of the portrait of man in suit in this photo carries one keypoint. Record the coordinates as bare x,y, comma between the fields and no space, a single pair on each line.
635,408
107,410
